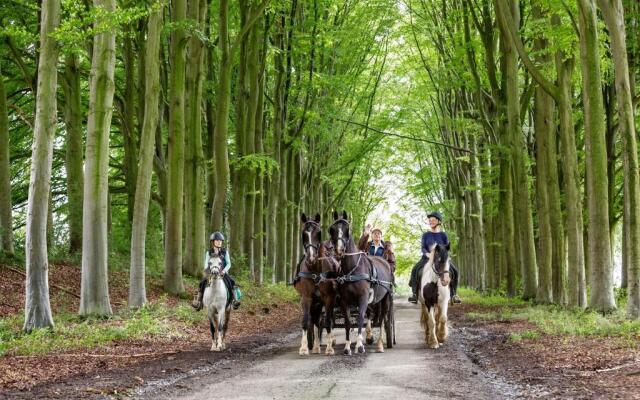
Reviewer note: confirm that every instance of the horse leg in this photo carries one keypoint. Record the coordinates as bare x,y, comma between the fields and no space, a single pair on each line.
213,335
369,332
432,341
304,345
362,309
225,327
328,323
316,339
216,331
220,331
384,315
347,328
443,330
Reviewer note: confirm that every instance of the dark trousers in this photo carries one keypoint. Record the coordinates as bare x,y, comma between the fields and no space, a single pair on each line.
228,281
416,274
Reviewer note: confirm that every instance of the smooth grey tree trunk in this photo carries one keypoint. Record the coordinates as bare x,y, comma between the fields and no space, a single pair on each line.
94,290
221,156
175,173
74,154
613,13
194,183
600,265
37,310
137,291
6,218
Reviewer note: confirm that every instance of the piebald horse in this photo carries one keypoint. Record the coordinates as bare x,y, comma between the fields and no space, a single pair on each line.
215,299
434,297
315,282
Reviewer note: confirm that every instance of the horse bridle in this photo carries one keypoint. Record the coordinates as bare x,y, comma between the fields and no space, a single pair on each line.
344,242
435,271
307,245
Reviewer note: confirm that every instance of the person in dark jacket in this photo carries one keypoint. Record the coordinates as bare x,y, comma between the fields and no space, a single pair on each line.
215,241
429,239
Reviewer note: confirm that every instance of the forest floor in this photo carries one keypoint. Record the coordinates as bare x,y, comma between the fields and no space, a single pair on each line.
494,336
549,365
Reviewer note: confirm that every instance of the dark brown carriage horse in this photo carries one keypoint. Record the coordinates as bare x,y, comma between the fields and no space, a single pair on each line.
360,273
316,283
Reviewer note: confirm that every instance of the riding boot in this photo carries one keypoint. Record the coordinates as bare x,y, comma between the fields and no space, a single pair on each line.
234,301
414,296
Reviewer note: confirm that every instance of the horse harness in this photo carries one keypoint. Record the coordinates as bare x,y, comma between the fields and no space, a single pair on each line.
371,278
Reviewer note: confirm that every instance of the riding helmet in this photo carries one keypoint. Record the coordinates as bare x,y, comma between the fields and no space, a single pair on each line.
216,236
436,215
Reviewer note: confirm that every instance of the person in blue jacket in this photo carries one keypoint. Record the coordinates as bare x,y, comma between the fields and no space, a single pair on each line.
376,246
216,240
429,239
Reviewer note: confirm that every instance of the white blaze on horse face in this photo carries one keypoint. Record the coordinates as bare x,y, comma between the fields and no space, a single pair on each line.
340,244
310,250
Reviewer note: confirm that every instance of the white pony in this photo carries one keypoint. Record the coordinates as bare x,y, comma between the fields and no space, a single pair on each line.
434,297
215,301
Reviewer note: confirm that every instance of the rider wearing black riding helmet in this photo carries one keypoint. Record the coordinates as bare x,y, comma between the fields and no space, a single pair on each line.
215,249
435,235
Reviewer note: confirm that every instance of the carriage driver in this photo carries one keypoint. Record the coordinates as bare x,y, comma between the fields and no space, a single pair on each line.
215,240
429,239
376,246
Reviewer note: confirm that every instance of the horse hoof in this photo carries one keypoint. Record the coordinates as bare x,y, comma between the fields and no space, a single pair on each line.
347,352
316,350
329,352
434,346
361,349
370,340
380,350
303,351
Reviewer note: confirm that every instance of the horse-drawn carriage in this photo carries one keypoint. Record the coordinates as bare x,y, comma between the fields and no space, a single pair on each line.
334,273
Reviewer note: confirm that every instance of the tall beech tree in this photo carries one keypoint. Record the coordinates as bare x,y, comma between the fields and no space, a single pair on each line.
94,290
137,291
6,218
37,306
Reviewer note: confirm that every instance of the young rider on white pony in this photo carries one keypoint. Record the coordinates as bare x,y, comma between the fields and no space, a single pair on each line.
216,240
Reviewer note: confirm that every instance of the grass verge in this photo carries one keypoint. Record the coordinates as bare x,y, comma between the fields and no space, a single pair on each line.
158,319
551,319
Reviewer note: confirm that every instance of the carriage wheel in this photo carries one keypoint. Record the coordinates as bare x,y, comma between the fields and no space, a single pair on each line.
390,328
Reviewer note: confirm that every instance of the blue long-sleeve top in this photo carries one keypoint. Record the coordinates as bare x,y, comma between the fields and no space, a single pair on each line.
429,239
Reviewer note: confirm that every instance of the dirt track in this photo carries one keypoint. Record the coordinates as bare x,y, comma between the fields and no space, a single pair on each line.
408,371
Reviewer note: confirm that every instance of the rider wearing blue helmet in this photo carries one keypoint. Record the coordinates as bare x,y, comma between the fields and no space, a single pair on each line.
429,239
216,240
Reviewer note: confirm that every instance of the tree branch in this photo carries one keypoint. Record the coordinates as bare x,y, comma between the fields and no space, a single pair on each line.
407,137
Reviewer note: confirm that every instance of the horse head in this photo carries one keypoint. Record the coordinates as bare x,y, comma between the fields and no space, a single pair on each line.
214,269
340,233
311,236
440,264
325,253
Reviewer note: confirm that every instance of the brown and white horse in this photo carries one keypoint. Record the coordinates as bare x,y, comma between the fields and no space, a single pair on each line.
434,297
358,273
315,282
